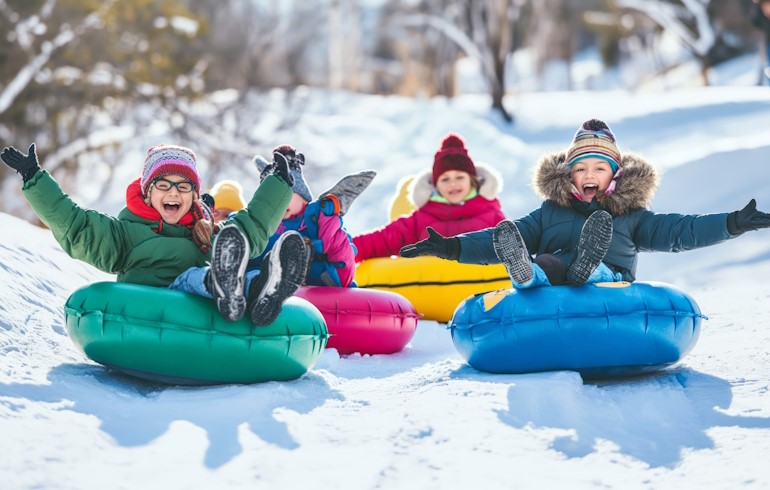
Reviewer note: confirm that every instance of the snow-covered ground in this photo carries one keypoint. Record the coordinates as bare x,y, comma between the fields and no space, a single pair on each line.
422,418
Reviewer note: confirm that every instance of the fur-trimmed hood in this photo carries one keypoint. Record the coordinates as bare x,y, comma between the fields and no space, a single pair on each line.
490,184
635,184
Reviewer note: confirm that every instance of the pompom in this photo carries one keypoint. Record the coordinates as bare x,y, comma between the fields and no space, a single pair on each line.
294,157
595,125
285,150
452,141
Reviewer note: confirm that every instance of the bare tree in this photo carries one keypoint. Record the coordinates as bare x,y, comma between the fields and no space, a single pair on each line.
688,20
482,30
71,70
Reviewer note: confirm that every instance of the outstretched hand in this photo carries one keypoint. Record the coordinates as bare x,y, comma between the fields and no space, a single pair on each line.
747,219
280,168
25,165
436,245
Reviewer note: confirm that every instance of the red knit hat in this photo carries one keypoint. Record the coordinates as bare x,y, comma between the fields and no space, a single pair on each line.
452,156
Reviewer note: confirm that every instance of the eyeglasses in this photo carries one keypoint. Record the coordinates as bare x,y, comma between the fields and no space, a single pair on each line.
165,185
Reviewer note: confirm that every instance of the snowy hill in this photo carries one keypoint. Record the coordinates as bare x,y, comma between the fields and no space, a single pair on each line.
422,418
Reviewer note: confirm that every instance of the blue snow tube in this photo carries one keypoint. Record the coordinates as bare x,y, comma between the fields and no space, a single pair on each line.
602,330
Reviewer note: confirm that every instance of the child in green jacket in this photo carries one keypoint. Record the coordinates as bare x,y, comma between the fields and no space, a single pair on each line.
163,237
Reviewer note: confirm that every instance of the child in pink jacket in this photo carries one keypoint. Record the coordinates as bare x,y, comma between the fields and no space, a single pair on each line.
455,196
319,222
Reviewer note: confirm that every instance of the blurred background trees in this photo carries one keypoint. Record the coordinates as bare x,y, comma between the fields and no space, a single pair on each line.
82,77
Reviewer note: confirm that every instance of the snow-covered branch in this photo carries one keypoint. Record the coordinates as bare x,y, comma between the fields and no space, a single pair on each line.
67,35
456,35
450,30
669,17
98,139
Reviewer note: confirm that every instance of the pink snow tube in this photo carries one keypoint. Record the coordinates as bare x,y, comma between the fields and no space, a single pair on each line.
367,321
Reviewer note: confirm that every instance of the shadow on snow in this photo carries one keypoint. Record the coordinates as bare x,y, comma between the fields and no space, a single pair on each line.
135,412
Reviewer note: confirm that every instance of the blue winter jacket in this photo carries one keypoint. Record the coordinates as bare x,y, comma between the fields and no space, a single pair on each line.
555,227
333,257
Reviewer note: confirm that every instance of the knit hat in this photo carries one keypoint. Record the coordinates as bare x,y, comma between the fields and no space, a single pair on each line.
228,194
594,139
452,156
165,160
296,161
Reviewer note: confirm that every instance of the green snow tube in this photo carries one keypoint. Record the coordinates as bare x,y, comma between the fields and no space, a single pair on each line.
178,338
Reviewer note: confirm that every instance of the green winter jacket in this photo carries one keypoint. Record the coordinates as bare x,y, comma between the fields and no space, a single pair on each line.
128,246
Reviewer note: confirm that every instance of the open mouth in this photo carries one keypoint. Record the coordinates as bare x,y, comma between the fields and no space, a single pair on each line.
590,190
171,207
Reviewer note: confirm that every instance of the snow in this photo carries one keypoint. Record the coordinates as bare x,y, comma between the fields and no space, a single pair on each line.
423,418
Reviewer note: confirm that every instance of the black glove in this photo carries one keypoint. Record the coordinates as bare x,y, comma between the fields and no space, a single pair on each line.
435,244
208,200
747,219
280,168
25,165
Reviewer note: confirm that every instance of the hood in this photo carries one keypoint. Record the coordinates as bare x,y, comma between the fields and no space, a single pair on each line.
421,188
634,188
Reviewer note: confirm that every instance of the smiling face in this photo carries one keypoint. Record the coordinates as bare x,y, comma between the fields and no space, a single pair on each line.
171,204
591,176
454,185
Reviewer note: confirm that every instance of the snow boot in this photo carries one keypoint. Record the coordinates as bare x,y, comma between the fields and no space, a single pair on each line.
512,252
595,238
225,279
344,192
283,272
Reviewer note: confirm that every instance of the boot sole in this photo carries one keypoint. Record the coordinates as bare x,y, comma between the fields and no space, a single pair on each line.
512,252
349,188
228,268
595,238
286,269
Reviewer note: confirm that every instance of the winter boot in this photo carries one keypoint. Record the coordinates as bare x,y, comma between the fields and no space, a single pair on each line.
225,279
512,252
595,238
283,271
348,189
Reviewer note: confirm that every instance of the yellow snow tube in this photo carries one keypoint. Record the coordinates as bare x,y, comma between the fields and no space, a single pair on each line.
400,204
434,286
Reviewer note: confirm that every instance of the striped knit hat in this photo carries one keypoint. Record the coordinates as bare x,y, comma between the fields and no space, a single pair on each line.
594,139
165,160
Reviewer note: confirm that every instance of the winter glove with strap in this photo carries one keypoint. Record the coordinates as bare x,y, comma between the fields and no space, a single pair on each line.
26,165
747,219
436,245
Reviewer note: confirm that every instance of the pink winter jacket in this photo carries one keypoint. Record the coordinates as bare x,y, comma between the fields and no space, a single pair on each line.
336,245
333,251
482,211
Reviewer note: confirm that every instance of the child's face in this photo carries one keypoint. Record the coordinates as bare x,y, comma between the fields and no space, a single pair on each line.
171,203
295,206
454,185
591,176
221,214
